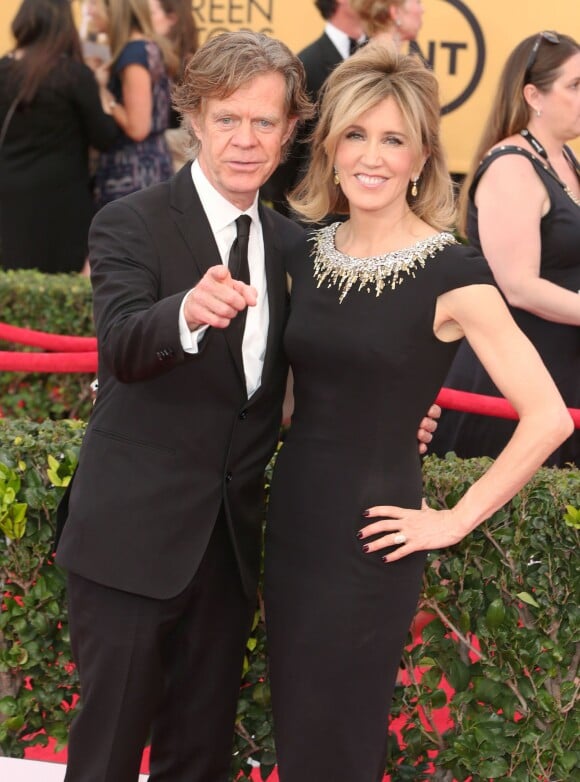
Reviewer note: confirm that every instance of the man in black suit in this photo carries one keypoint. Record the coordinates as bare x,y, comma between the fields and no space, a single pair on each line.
342,33
162,523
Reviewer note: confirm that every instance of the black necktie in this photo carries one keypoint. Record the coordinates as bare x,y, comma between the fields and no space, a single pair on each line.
238,259
354,44
240,269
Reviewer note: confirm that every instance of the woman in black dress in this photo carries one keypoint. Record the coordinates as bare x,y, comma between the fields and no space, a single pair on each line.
378,305
50,113
521,209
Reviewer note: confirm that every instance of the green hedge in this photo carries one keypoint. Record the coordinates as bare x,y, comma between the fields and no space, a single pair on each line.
58,304
504,633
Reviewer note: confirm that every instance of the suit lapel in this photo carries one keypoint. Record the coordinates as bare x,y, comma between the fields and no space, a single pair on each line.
194,226
330,54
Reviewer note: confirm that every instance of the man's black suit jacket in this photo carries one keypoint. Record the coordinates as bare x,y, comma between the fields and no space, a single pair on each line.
172,436
319,59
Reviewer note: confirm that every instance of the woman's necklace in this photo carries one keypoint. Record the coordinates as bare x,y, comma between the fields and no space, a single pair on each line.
344,271
541,151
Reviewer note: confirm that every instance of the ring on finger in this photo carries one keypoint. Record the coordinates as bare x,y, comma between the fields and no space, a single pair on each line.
400,538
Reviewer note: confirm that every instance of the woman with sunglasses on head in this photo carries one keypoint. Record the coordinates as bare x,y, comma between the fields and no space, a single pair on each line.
520,205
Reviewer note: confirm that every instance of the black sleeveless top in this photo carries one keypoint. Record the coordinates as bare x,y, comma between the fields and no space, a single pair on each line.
558,344
559,228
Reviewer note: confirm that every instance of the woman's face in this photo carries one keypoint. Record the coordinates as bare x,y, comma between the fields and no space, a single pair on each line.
375,159
560,106
97,16
162,21
410,18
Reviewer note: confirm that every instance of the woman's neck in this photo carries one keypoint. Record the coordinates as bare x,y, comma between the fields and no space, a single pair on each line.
366,234
389,36
552,145
551,149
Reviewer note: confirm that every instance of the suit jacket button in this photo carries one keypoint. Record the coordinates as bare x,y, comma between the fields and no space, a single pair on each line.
243,415
165,353
229,476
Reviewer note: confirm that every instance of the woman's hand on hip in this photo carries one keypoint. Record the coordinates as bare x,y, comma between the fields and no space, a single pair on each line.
409,529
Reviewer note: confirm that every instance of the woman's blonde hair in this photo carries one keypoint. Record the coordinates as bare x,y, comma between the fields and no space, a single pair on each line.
133,16
358,84
510,112
375,15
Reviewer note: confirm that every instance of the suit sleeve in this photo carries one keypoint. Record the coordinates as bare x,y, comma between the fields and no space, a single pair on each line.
138,332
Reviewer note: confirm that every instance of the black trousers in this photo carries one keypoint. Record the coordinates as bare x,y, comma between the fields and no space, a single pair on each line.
169,669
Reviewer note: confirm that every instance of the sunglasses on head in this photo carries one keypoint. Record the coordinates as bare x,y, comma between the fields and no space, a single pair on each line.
545,35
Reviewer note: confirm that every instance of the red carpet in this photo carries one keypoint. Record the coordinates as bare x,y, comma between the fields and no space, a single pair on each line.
442,722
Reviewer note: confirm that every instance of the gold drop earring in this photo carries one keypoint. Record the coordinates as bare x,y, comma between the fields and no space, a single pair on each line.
336,178
414,190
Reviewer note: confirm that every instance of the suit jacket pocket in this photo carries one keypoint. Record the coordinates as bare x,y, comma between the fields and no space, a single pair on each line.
121,438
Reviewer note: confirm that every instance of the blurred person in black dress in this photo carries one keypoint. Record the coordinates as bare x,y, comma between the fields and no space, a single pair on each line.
50,113
520,206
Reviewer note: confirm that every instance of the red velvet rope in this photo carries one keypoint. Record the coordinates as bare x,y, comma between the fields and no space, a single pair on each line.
466,402
79,354
48,362
45,341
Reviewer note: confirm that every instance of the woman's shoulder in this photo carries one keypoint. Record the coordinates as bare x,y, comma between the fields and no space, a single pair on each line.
76,69
134,52
510,154
511,168
461,264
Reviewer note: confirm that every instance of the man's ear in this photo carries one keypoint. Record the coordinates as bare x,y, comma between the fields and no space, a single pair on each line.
195,122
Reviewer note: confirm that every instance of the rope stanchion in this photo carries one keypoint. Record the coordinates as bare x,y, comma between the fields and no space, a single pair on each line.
467,402
79,354
48,362
52,342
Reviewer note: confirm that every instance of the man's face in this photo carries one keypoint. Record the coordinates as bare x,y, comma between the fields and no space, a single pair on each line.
242,137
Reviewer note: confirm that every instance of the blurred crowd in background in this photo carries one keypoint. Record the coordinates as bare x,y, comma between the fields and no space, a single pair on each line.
85,118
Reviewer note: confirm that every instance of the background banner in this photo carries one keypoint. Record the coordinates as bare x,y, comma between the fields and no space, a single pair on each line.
466,42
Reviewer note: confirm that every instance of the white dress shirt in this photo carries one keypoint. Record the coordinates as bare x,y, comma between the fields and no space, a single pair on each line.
340,40
222,215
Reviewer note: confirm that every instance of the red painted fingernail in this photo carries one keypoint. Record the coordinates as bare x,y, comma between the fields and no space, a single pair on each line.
359,535
366,513
366,549
385,558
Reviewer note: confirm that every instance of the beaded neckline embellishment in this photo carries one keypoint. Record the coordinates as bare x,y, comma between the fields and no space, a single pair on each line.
344,271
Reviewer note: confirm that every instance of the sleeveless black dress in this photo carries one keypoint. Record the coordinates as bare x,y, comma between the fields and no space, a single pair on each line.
366,369
558,344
